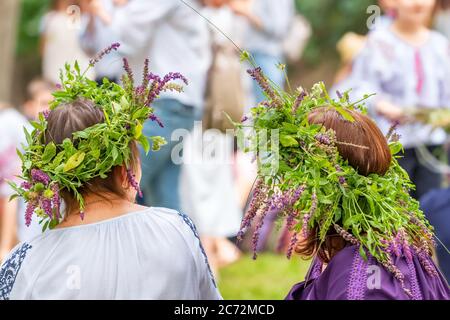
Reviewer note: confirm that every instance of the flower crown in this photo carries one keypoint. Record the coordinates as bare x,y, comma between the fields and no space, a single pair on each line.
47,168
313,187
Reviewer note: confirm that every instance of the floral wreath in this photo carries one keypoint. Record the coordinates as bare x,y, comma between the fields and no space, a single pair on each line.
314,187
48,168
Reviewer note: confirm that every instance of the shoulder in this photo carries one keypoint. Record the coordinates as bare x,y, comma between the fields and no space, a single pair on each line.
439,43
178,220
10,269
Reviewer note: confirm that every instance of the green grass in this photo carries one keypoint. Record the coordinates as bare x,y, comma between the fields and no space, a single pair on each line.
269,277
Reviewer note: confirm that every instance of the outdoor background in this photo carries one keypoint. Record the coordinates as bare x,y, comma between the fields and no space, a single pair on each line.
270,276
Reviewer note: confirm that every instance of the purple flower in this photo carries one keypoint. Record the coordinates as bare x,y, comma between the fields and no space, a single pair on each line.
392,129
292,244
298,101
342,180
323,138
46,114
127,68
297,194
39,176
82,215
46,205
339,94
155,118
255,238
133,182
102,53
257,199
262,81
244,118
346,235
26,185
58,86
31,206
146,71
174,76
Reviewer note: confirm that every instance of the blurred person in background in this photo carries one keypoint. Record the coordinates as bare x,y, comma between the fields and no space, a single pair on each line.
268,23
60,39
442,19
11,133
97,34
407,65
39,96
209,189
175,38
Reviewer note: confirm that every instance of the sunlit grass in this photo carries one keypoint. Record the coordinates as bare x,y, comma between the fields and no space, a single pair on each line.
269,277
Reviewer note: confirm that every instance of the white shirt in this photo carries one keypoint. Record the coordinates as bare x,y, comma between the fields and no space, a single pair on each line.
406,76
150,254
172,36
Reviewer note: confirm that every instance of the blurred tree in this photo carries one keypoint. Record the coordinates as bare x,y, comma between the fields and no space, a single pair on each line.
9,11
30,25
330,20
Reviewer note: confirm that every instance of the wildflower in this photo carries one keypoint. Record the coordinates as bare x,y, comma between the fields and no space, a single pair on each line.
257,198
26,185
155,118
323,138
39,176
342,179
133,182
262,81
293,242
46,114
31,206
346,235
102,53
298,101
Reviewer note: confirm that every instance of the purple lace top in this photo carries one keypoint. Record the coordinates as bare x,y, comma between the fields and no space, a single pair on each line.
349,277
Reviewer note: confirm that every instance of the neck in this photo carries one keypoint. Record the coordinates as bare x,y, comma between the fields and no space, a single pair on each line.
99,208
408,28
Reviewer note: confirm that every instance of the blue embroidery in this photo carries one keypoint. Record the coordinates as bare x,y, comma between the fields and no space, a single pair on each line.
10,269
191,225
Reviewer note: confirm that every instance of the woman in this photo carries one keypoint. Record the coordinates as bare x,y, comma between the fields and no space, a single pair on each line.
407,66
342,194
338,271
105,246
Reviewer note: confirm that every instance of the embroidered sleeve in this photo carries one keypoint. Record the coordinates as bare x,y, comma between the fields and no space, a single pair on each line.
191,225
10,269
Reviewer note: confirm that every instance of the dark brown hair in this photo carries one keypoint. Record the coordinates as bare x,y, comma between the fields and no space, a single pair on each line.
366,149
77,116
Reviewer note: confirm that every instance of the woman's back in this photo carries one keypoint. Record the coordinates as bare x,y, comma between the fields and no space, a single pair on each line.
150,254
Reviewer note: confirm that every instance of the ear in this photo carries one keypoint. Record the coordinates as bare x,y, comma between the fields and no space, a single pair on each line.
122,177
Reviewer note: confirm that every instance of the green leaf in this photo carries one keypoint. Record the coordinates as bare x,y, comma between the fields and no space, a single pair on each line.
49,152
144,143
138,130
114,153
395,147
74,161
347,116
288,141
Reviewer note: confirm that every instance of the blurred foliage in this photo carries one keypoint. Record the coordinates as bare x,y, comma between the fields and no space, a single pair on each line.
330,20
29,27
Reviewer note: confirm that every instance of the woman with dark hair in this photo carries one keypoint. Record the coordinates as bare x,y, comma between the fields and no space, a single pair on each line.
336,181
102,245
